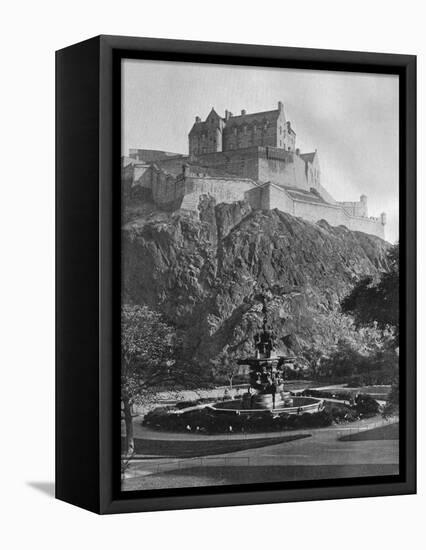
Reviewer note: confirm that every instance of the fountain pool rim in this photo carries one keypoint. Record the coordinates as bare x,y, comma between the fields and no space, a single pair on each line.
303,405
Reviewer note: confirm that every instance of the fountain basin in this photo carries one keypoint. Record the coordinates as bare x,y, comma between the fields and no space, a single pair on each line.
293,405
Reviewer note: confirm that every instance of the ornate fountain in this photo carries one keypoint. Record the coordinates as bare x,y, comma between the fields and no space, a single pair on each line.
267,377
266,371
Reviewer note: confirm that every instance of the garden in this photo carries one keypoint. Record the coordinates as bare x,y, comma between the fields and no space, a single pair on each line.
207,421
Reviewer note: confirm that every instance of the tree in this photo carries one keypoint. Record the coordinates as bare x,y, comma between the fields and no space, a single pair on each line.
376,302
147,345
225,365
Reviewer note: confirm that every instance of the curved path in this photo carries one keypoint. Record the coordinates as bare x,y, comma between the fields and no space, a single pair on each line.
322,450
143,432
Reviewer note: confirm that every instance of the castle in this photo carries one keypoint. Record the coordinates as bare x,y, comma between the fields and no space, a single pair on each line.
251,157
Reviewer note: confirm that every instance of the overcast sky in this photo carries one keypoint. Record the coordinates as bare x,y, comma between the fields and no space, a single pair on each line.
352,119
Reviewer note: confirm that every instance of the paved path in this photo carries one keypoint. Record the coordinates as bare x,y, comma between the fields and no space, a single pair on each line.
143,432
323,448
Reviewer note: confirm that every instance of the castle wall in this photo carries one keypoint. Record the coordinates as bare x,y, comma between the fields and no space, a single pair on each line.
336,215
222,189
268,197
243,162
356,208
149,155
283,168
165,188
184,193
172,164
266,164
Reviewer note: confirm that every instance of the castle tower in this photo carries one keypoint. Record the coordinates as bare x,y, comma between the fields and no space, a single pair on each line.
206,137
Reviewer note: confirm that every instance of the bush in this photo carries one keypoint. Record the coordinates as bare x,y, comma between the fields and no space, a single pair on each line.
207,421
366,405
341,413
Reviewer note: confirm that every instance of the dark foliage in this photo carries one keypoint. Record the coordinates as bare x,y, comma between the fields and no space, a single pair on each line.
376,302
207,421
365,405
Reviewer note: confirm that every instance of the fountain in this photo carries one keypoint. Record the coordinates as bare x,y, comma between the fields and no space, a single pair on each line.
267,373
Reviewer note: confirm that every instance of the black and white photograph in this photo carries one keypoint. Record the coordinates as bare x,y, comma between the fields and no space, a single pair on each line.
211,278
259,275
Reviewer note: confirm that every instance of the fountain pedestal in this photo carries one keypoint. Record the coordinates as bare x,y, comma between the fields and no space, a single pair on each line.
266,376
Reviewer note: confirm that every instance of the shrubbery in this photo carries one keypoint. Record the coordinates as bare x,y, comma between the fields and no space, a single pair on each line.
207,421
341,413
365,405
347,365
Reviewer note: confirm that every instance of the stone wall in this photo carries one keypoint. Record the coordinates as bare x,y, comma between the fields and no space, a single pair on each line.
283,168
222,189
265,164
242,162
258,175
149,155
337,215
270,196
173,193
250,135
356,208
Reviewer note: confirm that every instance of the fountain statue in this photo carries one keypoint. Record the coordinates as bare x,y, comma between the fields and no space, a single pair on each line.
266,371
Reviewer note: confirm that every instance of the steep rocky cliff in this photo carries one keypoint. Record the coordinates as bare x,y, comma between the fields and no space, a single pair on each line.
205,275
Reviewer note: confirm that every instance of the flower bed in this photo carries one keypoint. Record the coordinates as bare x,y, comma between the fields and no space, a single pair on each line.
213,422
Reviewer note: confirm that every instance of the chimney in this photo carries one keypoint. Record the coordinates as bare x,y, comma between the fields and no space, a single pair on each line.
383,218
243,112
280,106
227,113
197,119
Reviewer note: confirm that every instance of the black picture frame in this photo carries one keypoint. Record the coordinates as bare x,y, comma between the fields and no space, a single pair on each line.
88,273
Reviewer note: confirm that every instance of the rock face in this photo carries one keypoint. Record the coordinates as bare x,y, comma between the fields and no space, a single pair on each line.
205,275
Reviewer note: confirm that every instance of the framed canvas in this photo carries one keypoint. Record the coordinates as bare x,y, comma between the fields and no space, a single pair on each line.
235,274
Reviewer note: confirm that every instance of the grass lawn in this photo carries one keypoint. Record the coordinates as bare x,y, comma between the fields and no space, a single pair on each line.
228,475
192,448
391,431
